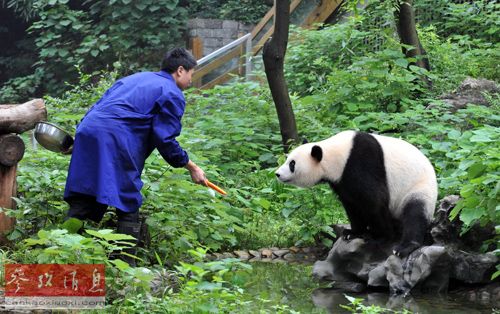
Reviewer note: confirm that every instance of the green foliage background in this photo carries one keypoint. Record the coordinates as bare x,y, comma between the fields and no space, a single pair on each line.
124,35
338,81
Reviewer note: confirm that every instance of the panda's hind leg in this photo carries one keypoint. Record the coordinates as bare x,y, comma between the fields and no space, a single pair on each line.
414,225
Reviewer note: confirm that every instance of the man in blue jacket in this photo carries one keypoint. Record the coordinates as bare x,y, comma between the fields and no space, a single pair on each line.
138,114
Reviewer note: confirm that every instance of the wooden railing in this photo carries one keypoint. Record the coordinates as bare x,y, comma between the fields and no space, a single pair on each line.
210,70
234,58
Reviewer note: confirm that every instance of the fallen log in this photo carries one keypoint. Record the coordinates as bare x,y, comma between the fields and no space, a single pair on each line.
22,117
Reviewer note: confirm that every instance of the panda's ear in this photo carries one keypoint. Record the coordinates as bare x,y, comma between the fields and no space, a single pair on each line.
317,153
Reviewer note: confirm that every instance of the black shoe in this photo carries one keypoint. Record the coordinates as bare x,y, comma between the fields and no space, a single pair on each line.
145,237
133,229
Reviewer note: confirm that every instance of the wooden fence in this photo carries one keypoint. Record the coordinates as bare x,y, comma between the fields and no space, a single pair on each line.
225,63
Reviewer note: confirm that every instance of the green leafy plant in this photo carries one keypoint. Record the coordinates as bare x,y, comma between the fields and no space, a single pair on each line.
97,33
203,287
356,306
313,54
478,19
481,189
59,246
247,11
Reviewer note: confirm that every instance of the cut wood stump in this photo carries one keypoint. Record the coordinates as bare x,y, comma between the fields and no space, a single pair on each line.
11,149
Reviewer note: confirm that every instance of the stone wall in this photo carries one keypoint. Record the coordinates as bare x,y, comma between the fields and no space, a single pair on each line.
215,34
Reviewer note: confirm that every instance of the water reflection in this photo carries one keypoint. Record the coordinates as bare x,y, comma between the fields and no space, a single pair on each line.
270,284
331,299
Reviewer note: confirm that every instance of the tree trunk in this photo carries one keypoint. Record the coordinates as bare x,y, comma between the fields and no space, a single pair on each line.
408,35
273,55
23,117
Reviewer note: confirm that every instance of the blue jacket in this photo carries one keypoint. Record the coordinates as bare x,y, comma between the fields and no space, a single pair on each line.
137,114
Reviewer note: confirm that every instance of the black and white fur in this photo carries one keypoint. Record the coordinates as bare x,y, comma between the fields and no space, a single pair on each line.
386,185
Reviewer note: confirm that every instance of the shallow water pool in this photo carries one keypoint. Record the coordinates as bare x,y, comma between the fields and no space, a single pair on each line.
273,287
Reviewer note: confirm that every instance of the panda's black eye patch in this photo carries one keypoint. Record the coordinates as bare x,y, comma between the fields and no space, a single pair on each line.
292,165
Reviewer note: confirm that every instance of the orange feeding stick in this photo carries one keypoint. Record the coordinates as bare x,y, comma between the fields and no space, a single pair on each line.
215,188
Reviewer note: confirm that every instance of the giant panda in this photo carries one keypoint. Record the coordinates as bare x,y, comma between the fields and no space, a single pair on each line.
386,185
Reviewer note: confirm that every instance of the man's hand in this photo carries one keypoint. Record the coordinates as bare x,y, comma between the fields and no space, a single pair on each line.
197,174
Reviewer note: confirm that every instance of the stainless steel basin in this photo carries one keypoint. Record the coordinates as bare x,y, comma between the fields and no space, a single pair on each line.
53,137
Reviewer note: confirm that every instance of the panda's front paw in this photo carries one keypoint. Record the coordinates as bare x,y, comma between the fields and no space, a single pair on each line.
348,234
404,249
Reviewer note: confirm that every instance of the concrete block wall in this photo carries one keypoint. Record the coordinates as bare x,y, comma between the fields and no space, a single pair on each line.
216,33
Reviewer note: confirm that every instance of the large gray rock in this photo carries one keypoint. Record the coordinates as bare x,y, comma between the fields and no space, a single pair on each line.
447,233
351,260
468,264
471,91
473,268
372,263
357,263
428,266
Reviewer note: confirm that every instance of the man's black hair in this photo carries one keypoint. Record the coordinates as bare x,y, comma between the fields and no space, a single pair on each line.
178,57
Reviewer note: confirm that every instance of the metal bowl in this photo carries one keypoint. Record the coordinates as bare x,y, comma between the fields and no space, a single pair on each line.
53,137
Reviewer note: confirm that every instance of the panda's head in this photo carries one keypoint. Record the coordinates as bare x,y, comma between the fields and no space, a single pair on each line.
302,167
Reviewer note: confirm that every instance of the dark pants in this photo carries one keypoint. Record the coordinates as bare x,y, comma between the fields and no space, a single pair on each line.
83,207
